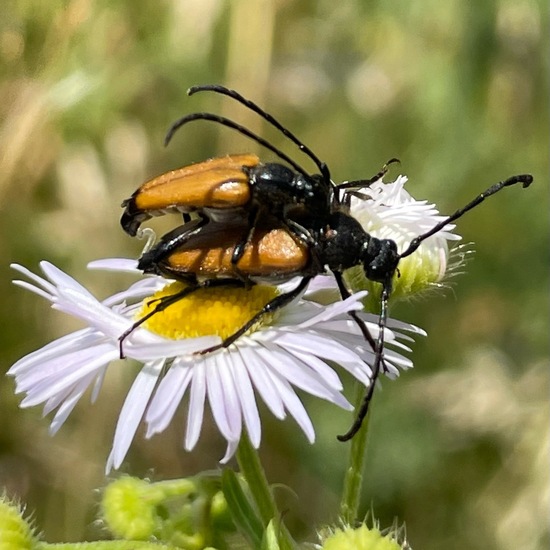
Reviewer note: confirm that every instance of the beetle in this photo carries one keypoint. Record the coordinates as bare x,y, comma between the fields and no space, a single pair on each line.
221,189
270,256
318,218
203,258
204,253
235,187
240,186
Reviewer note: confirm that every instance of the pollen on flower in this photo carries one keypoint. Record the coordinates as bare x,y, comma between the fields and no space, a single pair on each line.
217,311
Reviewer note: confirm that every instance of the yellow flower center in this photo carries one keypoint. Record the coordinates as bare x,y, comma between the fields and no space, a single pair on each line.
217,311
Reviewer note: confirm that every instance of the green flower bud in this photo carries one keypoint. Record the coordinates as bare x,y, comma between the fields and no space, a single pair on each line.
361,538
391,213
128,509
16,533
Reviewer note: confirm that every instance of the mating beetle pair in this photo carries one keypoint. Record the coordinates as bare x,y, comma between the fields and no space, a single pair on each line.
267,223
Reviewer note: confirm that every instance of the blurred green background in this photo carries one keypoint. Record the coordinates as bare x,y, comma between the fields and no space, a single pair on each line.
457,90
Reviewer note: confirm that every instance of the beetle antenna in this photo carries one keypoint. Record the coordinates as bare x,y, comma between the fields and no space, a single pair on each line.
323,168
235,126
524,179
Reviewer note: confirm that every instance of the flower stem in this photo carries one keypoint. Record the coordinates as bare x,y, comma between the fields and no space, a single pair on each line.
251,468
349,507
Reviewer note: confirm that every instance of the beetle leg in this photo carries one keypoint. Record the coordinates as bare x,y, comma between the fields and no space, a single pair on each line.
167,301
378,362
376,345
358,194
358,184
301,232
273,305
304,236
344,293
162,304
239,249
170,242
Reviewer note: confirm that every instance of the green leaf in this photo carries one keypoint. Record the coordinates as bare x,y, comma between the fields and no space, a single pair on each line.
270,540
242,510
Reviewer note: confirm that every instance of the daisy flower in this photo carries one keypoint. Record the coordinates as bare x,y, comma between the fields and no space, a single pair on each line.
388,211
293,349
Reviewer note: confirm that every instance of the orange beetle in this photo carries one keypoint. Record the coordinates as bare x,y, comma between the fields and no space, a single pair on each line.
216,184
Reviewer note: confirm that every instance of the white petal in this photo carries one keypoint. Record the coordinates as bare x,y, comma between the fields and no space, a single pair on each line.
294,406
399,361
34,289
300,375
196,405
63,281
65,344
55,401
324,371
144,288
63,372
122,265
322,282
145,346
168,396
93,312
41,282
246,396
338,308
258,371
98,383
221,396
317,345
132,411
230,451
68,405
